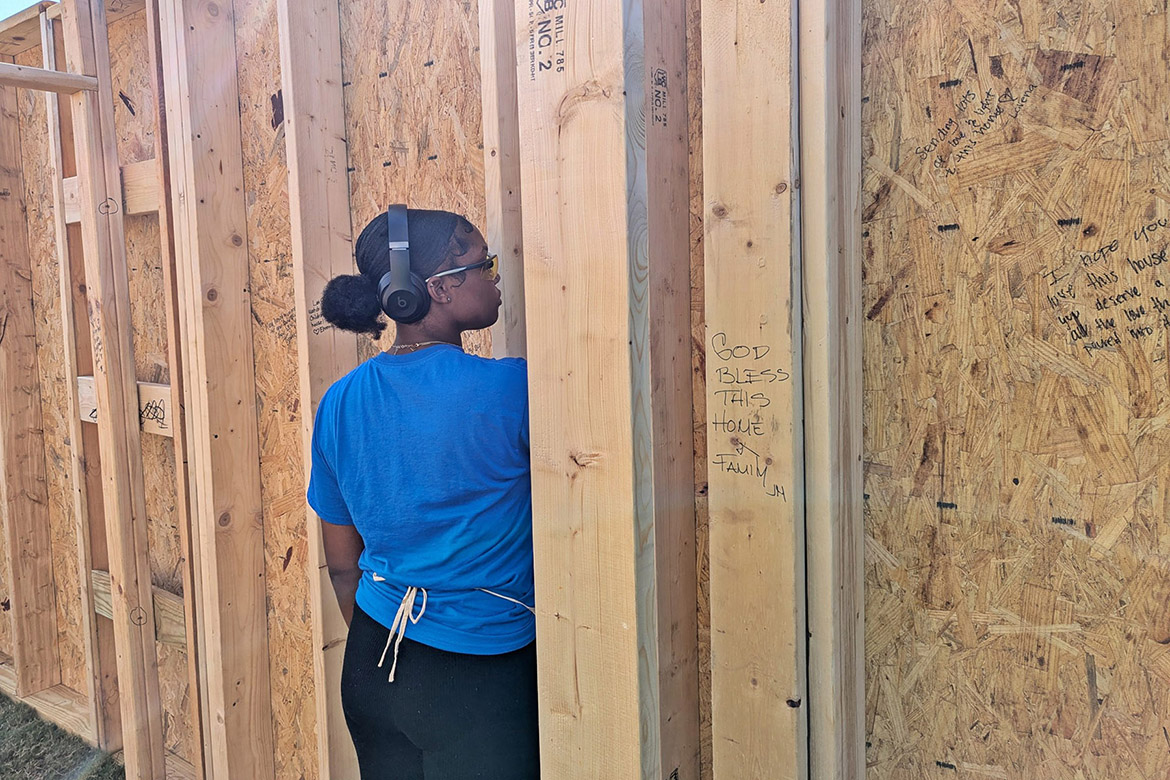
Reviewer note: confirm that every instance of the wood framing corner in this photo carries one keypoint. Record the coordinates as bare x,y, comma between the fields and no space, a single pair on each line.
829,43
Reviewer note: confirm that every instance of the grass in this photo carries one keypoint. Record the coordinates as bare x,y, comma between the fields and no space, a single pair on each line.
34,749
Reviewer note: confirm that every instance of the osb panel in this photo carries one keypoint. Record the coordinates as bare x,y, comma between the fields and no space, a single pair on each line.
175,694
53,385
699,375
134,127
277,389
413,115
1017,197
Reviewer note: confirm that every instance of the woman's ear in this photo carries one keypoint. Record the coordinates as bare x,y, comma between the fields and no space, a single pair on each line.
439,290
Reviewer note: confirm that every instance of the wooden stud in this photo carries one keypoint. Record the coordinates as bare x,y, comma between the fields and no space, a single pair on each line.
203,131
501,163
109,313
602,106
85,463
50,37
189,548
24,499
753,324
830,133
314,116
155,405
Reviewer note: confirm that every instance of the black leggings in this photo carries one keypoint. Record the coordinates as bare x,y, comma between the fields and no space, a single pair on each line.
446,716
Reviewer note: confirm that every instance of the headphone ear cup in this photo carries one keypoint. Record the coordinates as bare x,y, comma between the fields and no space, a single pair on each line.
405,305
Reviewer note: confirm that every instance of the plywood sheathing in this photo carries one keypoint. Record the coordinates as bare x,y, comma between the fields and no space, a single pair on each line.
54,385
286,555
413,115
1018,568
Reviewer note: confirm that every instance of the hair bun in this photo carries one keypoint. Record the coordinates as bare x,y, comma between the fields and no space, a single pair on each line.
351,303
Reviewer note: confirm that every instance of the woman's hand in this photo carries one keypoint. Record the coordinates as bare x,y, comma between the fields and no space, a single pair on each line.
343,548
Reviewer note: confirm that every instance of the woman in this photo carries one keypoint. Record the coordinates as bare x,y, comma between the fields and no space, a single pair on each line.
420,474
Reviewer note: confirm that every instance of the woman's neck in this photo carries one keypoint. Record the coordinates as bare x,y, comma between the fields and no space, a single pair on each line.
410,337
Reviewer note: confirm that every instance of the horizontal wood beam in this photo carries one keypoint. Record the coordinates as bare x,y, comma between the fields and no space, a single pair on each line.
170,626
140,191
12,75
154,405
115,9
61,705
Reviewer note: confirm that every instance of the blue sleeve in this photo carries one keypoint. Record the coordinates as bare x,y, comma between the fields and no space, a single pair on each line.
522,392
324,491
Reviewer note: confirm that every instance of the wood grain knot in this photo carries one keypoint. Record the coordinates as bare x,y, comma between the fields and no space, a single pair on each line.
584,459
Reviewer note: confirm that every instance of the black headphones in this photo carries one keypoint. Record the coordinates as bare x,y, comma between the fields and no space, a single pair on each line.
402,293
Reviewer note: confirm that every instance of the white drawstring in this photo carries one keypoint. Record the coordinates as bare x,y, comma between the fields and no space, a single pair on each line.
405,612
508,598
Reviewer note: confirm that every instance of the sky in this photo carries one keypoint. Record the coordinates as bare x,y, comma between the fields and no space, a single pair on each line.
9,7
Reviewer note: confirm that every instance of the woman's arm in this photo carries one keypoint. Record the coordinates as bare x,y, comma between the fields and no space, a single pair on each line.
343,547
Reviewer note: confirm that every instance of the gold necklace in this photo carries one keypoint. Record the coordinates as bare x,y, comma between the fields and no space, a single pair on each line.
417,345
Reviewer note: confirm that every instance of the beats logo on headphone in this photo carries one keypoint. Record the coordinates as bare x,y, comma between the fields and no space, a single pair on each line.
403,294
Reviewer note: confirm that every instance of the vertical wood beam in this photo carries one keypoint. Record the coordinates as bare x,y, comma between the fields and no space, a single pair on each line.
108,300
85,466
322,247
830,141
188,548
24,498
753,323
101,666
501,164
207,188
602,106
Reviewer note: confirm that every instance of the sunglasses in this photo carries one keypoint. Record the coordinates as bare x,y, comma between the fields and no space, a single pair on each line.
489,268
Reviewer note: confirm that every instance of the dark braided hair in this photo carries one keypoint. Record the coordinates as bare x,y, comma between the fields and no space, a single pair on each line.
350,302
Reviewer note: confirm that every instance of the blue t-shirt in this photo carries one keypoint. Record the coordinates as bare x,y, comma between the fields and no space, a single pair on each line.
426,454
